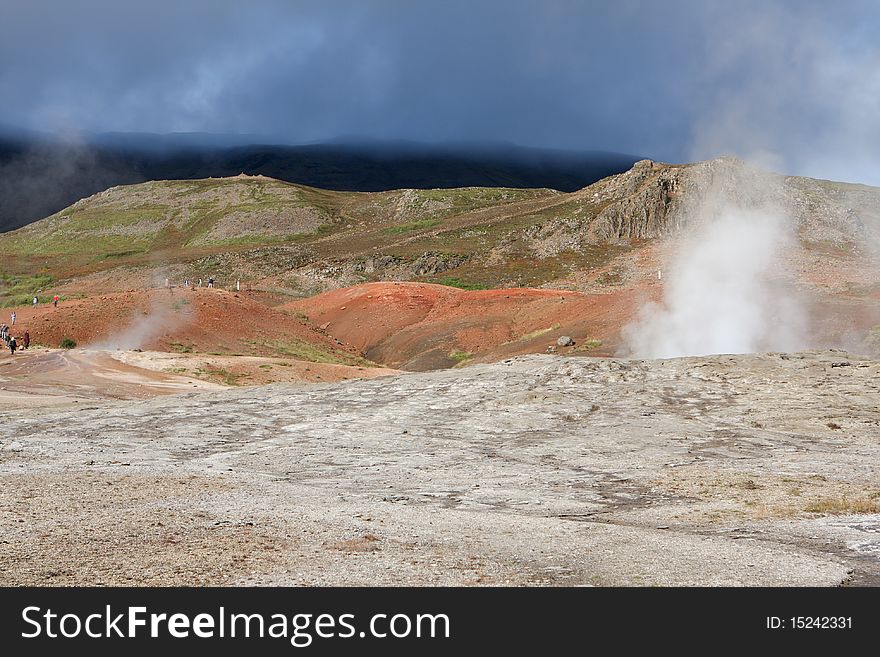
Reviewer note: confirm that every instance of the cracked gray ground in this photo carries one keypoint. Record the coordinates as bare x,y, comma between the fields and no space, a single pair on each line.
725,470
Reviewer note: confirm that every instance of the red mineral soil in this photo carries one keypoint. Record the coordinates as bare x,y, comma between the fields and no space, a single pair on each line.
143,343
178,320
420,326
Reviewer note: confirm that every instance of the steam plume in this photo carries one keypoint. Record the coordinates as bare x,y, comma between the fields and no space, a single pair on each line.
724,290
167,313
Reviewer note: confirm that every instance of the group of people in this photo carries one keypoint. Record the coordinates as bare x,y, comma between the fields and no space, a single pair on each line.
11,341
36,301
187,283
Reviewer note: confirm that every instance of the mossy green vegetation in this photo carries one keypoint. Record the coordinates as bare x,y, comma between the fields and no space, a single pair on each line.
587,345
461,357
19,290
452,281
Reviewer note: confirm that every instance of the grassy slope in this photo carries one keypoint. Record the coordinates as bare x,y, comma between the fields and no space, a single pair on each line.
489,237
176,221
153,216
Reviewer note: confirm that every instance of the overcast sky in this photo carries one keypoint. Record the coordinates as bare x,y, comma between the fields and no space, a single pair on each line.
795,85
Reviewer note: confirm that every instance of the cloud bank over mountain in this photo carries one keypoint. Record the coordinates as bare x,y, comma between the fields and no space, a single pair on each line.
795,82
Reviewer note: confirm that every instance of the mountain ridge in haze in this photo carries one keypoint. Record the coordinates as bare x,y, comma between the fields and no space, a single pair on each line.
40,175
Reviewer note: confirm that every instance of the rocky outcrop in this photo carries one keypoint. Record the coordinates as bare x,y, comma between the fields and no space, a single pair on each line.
648,206
431,264
654,200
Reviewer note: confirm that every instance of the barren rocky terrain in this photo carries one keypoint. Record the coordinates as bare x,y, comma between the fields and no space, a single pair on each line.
740,470
40,378
427,386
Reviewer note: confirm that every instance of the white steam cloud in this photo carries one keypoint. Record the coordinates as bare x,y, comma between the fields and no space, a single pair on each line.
167,313
806,102
723,292
807,97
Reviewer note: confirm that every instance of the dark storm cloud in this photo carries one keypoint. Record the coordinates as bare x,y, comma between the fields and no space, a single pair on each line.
794,83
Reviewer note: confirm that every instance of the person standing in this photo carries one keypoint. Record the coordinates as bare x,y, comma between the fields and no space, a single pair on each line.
13,345
55,300
13,318
26,340
35,302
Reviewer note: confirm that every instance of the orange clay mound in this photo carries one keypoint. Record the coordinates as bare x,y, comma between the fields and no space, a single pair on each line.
419,326
180,320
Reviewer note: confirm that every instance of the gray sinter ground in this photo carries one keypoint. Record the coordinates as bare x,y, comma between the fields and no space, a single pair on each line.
754,470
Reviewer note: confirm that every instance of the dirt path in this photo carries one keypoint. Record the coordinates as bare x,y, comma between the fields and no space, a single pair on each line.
39,377
248,370
59,377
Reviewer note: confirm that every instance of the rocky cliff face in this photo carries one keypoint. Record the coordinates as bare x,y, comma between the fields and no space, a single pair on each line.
648,202
654,200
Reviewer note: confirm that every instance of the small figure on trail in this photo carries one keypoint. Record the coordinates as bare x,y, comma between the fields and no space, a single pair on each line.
26,340
55,300
13,345
13,318
186,282
167,283
210,281
35,302
238,286
200,282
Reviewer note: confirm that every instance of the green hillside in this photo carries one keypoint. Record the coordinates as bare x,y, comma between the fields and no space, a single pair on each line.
295,240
